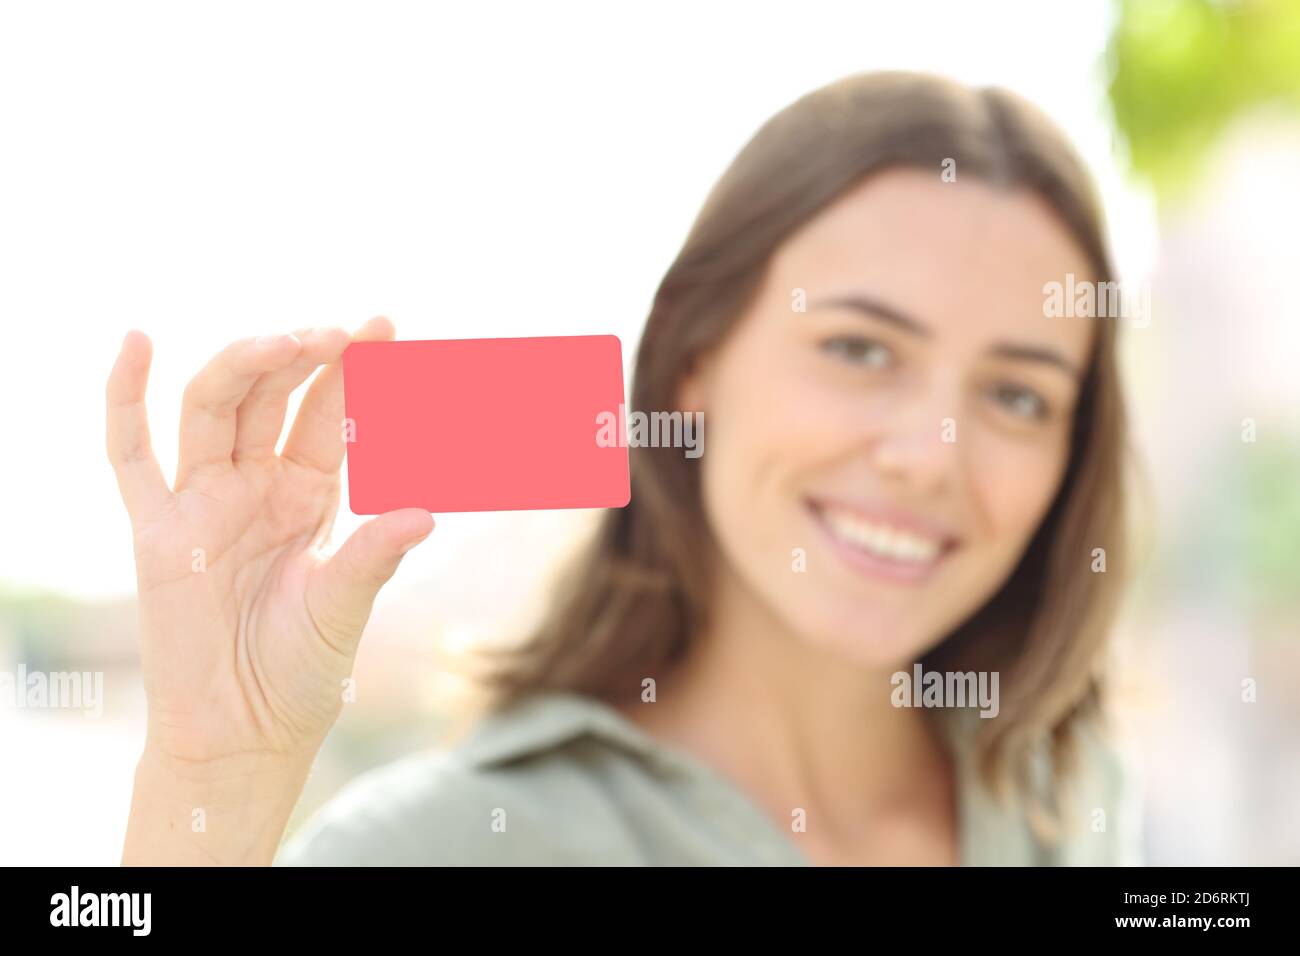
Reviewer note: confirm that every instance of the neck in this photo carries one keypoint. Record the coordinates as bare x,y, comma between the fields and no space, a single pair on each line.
793,724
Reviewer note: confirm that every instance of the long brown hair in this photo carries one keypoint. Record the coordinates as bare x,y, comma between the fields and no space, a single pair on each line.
640,589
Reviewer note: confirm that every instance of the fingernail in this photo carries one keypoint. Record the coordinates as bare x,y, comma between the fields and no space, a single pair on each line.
265,340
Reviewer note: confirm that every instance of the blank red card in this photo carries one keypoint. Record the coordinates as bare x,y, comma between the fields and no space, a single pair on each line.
484,424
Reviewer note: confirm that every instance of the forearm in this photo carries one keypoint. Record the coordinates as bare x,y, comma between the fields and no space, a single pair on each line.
231,813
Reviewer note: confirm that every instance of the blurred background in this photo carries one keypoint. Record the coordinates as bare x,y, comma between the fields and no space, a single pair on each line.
209,172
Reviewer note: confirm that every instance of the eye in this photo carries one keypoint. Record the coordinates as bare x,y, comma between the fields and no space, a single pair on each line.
1020,402
859,351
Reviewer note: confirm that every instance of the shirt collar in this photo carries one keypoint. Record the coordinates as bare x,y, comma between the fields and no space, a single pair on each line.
545,721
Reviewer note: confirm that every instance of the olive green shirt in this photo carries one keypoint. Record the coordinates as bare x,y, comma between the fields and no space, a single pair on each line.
563,779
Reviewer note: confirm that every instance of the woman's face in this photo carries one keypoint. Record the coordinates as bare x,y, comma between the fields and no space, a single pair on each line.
893,412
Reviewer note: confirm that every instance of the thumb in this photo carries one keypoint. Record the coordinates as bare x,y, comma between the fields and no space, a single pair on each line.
341,591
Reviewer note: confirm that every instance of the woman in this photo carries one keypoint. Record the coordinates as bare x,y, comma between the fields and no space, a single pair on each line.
910,470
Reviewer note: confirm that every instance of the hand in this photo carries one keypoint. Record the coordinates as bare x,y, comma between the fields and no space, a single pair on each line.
247,629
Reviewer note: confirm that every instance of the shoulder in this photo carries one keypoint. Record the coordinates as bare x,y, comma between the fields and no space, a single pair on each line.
1102,803
1099,805
529,786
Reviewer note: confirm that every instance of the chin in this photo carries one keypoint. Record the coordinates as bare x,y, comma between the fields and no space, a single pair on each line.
864,637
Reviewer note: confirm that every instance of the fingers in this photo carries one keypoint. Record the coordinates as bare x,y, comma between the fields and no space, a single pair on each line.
140,480
208,412
316,439
260,417
341,591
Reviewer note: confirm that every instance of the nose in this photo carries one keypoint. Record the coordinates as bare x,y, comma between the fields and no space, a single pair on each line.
919,446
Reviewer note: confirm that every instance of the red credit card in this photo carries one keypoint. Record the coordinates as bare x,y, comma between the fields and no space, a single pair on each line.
484,424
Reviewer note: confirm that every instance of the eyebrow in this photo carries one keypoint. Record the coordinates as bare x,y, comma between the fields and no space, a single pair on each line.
882,311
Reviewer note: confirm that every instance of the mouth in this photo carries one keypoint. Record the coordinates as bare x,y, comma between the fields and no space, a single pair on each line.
882,545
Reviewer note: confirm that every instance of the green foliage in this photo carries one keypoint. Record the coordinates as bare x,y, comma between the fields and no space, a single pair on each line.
1243,540
1181,70
1270,535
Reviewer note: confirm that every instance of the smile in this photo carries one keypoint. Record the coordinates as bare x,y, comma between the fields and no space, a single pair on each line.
879,546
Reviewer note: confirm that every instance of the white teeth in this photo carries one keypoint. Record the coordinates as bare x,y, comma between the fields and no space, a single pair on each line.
886,541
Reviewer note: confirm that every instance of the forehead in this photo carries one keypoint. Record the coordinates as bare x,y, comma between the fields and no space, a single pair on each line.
959,257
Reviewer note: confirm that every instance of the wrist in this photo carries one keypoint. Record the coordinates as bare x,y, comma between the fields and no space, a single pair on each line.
226,811
232,774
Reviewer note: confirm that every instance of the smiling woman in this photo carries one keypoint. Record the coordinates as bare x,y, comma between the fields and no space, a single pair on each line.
940,459
924,307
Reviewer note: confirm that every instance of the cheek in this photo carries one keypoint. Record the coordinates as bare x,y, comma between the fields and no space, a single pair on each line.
763,426
1015,485
754,426
773,418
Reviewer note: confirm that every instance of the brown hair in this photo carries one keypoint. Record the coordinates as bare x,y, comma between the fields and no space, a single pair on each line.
641,588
